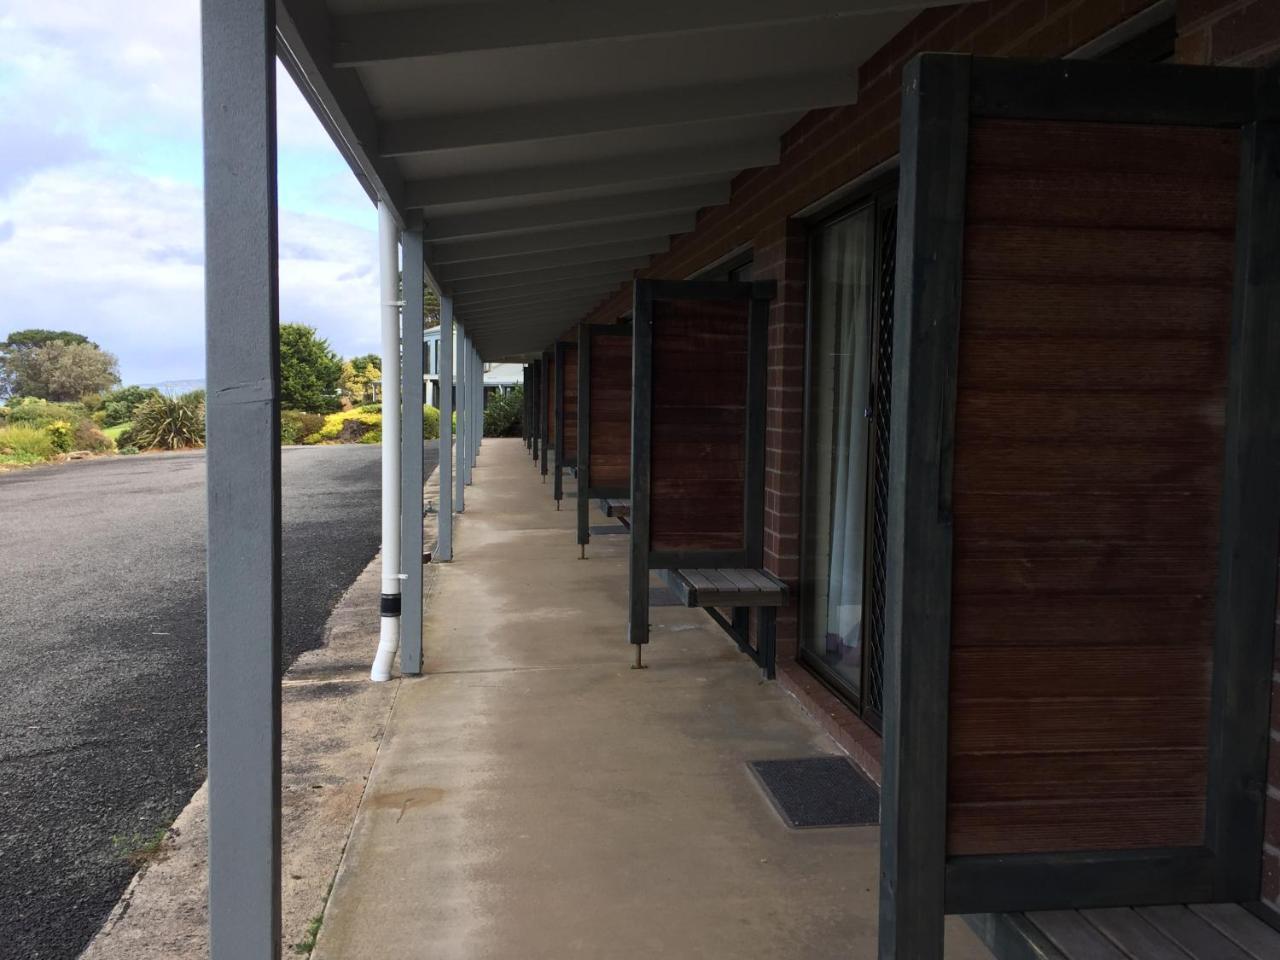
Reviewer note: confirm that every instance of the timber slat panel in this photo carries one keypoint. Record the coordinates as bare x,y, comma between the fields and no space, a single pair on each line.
1040,619
1193,934
610,410
698,453
1030,309
1133,934
1086,485
1067,774
1241,928
570,399
1100,824
1074,936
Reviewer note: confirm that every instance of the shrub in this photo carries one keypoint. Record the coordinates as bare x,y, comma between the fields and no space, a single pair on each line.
430,423
87,436
128,451
333,425
503,412
25,444
39,413
61,436
118,405
171,423
296,426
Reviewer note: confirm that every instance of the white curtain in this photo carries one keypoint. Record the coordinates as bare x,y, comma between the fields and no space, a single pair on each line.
846,272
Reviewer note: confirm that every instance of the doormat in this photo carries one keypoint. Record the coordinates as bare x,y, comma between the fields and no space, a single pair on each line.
819,792
662,597
607,529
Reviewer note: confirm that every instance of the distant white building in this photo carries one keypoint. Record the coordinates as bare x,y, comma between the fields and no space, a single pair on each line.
498,377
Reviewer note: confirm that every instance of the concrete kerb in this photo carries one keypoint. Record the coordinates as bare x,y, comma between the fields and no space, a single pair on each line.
334,720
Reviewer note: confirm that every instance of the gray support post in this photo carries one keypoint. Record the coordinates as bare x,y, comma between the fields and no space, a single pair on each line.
460,477
469,360
479,403
444,516
242,370
584,439
412,448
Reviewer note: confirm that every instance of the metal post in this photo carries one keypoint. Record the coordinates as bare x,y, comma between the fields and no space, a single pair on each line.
242,372
469,360
460,477
412,449
478,414
444,517
388,270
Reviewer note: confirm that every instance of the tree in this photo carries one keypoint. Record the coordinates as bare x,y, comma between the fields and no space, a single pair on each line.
17,348
118,405
59,371
309,370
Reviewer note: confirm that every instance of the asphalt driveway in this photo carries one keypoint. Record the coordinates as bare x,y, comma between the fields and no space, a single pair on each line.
102,665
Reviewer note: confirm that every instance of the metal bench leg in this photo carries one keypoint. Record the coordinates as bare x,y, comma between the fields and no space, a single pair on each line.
769,641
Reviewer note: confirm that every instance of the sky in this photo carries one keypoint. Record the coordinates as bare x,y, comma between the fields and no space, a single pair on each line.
101,222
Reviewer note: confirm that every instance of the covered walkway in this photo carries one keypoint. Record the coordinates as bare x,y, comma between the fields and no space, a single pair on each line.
536,798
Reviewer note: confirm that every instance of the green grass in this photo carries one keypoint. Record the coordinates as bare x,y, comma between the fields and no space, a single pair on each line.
114,432
139,849
308,942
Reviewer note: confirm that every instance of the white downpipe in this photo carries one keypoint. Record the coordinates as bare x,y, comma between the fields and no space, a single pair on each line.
389,276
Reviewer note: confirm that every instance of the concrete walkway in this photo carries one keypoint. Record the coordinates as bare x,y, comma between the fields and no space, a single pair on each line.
535,798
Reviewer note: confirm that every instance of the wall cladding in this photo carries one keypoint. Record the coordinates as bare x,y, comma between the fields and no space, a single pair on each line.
1087,478
698,459
610,410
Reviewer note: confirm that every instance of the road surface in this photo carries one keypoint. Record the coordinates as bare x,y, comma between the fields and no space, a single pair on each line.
102,666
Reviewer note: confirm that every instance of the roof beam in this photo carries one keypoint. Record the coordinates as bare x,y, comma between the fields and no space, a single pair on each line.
568,305
524,263
619,270
434,30
575,213
337,97
534,290
630,111
636,168
462,251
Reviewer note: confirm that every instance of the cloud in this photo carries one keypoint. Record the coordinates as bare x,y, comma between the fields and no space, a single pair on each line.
101,223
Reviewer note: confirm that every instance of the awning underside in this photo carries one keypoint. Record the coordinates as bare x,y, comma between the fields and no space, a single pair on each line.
552,148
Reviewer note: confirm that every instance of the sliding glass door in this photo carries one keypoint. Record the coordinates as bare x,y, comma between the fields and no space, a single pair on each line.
839,635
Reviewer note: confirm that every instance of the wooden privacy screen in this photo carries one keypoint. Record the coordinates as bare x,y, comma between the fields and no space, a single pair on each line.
697,468
566,413
604,417
697,433
1081,465
1090,410
548,417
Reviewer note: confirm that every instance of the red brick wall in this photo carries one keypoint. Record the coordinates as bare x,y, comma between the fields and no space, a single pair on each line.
829,148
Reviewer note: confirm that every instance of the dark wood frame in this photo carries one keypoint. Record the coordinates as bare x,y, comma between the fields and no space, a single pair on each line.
586,490
919,883
879,190
548,358
643,559
531,406
561,462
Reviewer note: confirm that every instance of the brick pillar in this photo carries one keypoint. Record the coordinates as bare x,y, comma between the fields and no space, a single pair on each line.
780,256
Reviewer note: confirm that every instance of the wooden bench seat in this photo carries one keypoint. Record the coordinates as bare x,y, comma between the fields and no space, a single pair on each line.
618,509
706,587
739,590
1216,931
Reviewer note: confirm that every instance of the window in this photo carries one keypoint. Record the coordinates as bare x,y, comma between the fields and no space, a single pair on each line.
850,324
